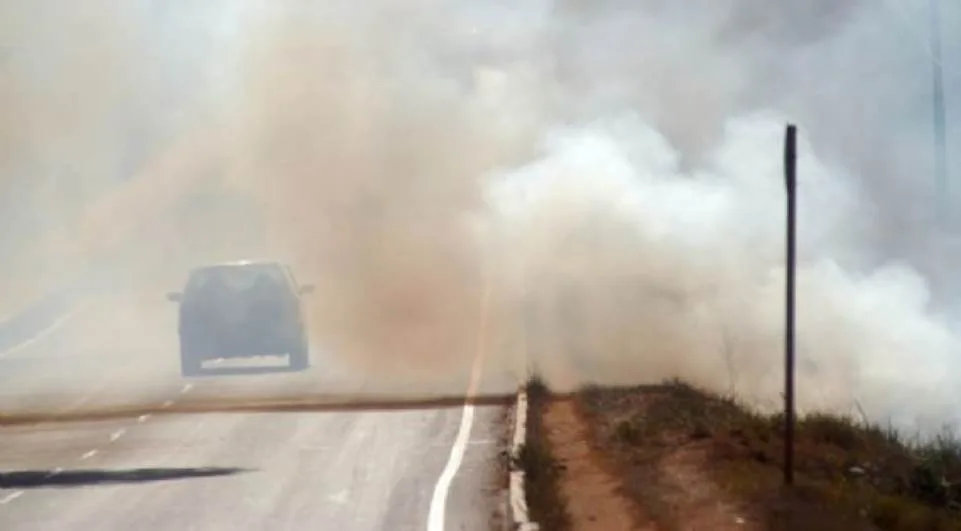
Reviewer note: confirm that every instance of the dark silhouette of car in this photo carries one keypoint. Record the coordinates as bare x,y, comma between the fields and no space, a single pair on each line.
242,309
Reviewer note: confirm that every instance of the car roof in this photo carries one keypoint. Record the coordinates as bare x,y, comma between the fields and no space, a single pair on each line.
240,263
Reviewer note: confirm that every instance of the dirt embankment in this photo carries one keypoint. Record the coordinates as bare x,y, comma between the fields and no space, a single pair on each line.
672,457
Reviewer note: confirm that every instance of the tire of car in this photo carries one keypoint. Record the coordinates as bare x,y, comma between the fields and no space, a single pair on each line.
190,359
300,354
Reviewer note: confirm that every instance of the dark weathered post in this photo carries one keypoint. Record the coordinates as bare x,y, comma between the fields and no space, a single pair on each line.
790,176
943,189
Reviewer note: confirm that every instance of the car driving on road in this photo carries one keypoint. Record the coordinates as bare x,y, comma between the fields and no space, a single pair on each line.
241,309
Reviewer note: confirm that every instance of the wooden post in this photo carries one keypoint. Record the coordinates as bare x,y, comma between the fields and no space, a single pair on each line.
943,189
790,166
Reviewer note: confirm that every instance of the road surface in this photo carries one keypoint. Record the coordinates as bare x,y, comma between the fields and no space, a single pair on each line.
158,466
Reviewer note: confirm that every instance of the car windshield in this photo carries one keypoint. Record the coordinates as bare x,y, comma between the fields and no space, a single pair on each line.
236,278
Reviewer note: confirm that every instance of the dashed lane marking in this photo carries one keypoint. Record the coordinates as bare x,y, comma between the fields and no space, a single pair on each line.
10,497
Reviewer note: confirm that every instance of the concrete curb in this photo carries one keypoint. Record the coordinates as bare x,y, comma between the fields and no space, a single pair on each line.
518,495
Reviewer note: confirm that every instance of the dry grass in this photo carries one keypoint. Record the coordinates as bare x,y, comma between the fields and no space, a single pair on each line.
541,470
849,476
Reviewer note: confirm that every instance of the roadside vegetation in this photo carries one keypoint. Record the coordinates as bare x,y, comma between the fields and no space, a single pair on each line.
541,469
690,458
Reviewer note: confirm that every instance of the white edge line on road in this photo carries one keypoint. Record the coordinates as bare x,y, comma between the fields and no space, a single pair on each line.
88,455
438,502
436,518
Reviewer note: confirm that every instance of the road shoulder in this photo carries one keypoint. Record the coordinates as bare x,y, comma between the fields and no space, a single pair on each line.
569,485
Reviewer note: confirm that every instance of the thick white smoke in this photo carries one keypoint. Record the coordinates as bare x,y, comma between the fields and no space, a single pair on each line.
640,271
630,158
651,245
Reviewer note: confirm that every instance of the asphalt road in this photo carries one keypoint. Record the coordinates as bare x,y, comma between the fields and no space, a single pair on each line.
171,457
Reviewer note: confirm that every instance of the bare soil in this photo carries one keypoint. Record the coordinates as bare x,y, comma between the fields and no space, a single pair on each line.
592,495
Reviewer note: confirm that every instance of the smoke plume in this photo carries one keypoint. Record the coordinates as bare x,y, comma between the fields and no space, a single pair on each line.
613,169
609,170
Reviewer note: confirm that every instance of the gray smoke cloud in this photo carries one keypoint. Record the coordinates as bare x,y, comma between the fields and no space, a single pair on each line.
615,168
624,162
610,169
